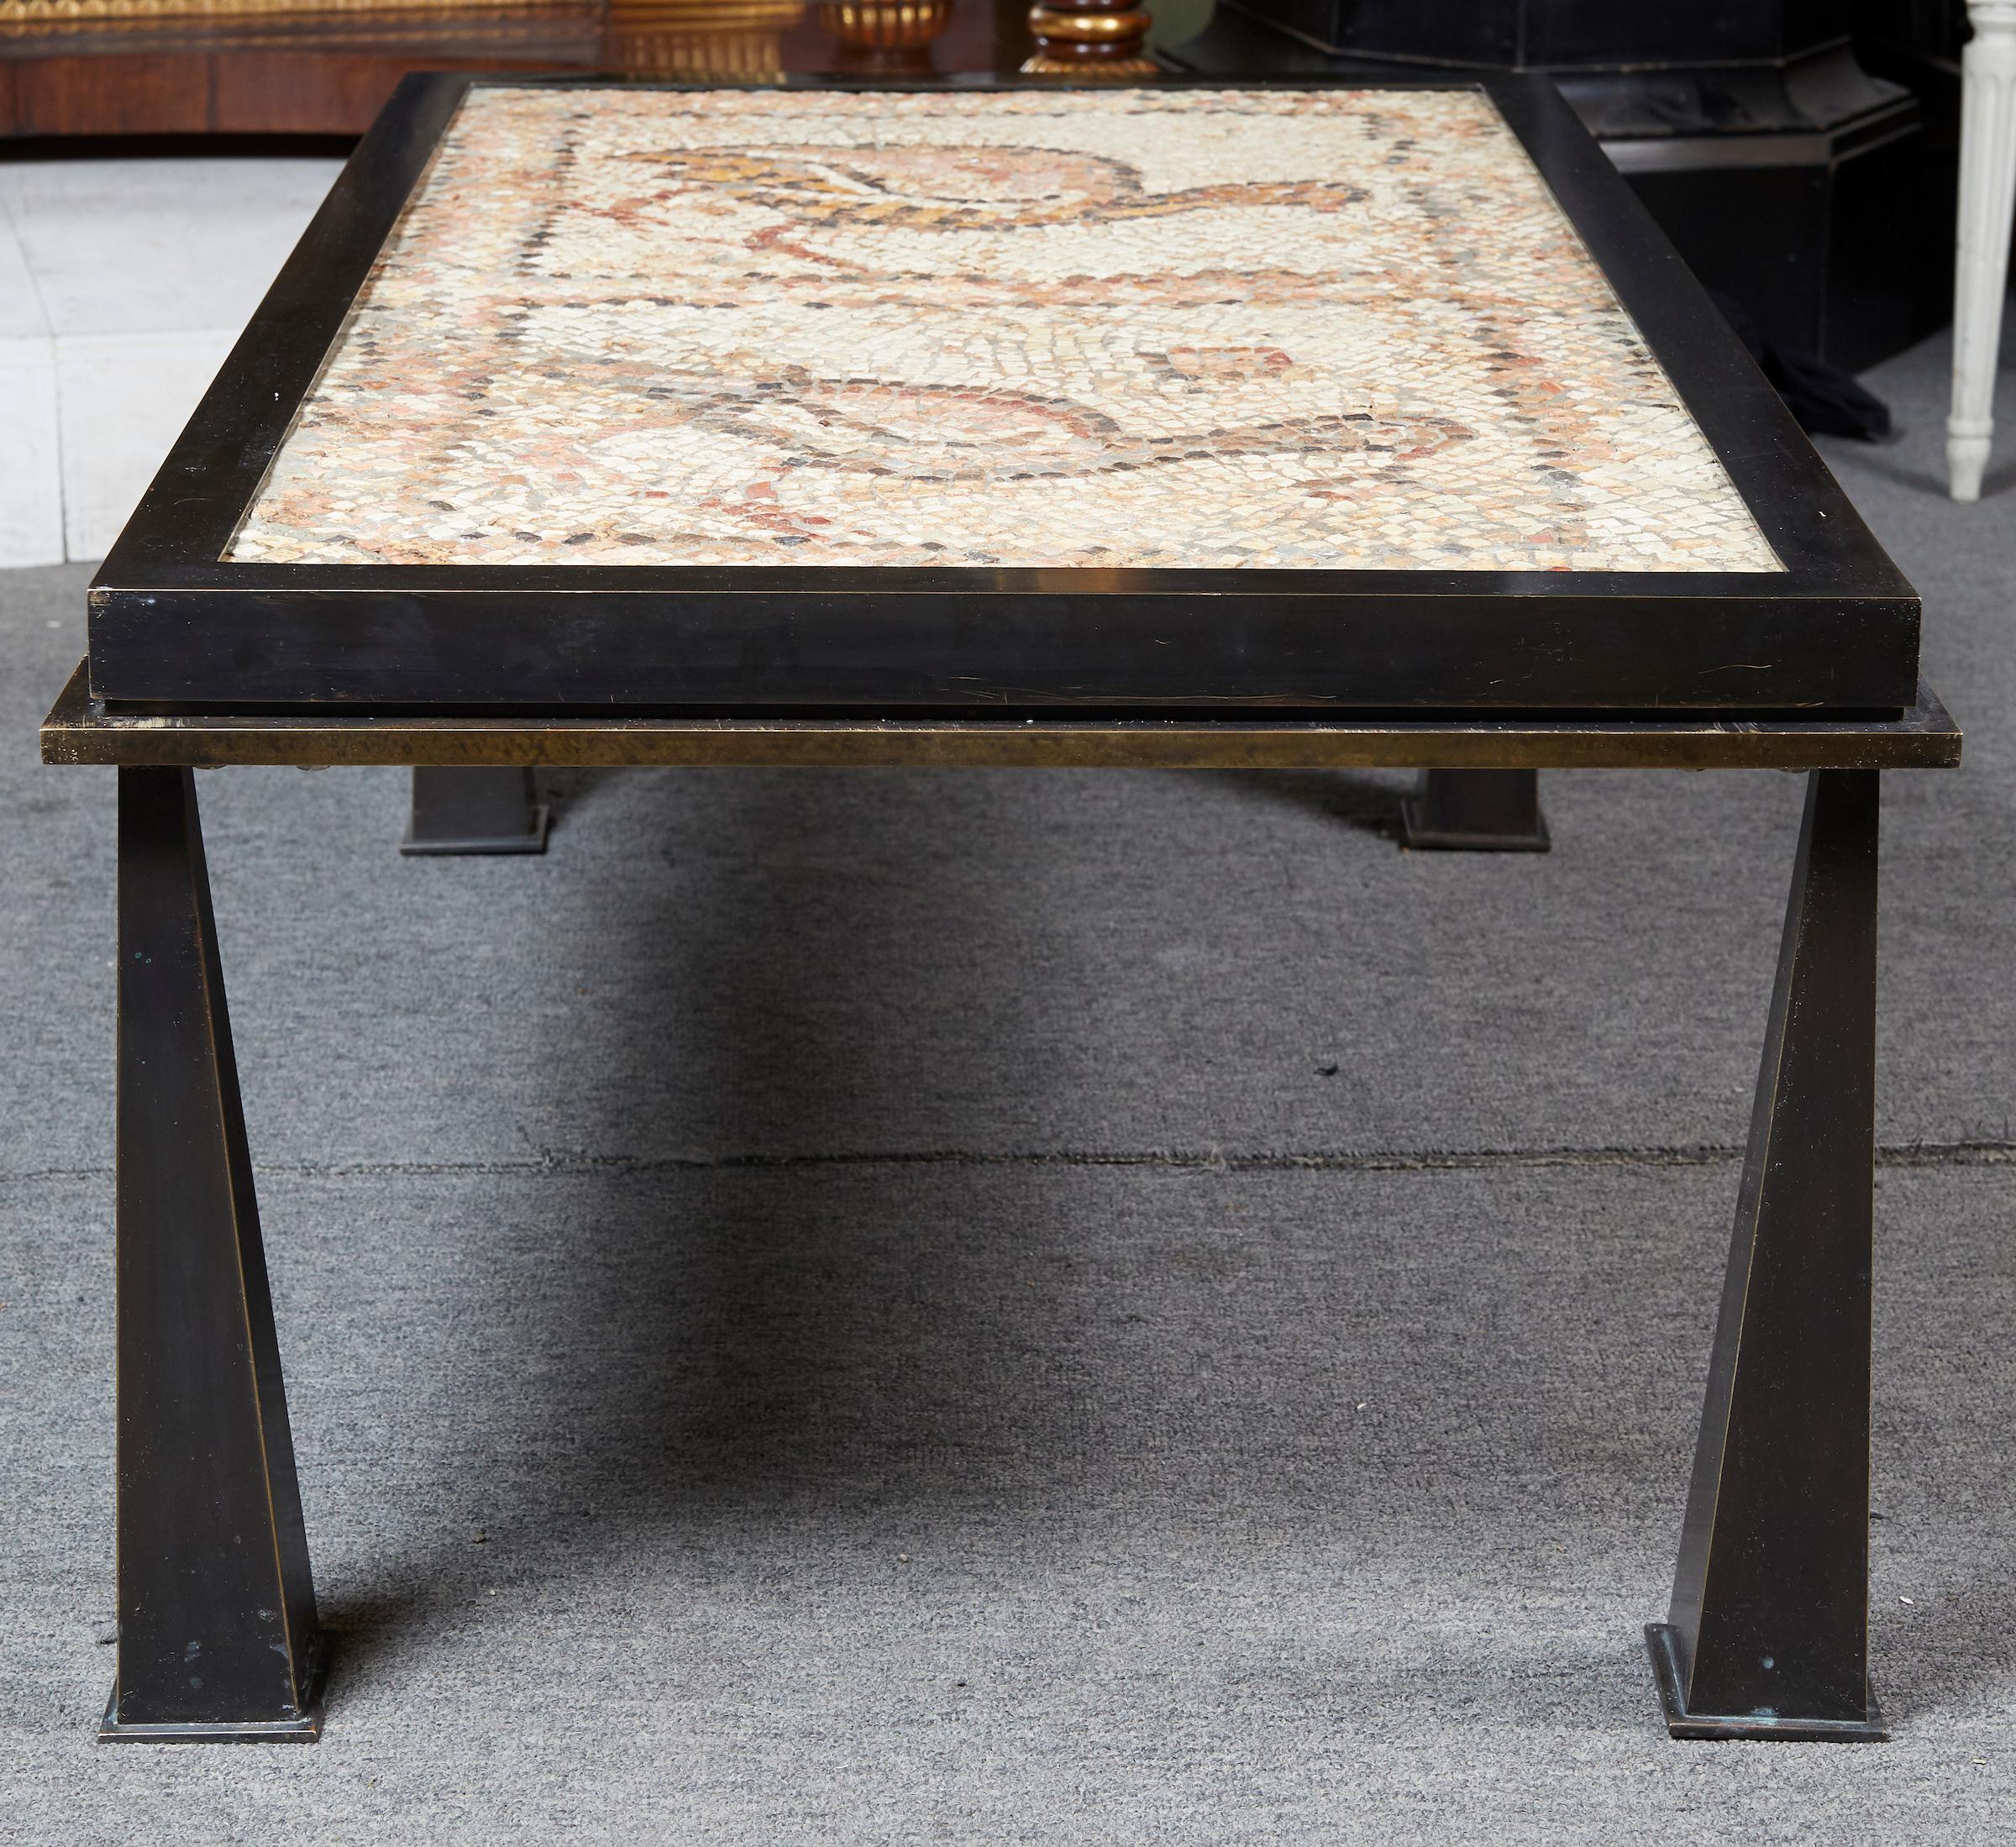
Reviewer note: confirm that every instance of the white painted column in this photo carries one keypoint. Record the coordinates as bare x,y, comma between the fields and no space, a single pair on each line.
1987,196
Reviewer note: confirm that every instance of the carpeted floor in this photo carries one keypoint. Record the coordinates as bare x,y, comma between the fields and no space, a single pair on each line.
907,1306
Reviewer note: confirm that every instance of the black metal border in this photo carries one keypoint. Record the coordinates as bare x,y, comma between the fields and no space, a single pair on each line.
172,623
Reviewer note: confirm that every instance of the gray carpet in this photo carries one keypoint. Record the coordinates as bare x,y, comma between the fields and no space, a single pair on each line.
912,1306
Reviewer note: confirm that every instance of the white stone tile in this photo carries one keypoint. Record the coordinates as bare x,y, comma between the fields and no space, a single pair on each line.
31,507
122,400
21,316
122,246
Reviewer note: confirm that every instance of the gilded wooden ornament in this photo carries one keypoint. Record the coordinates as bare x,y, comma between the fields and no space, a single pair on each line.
1090,38
700,38
886,25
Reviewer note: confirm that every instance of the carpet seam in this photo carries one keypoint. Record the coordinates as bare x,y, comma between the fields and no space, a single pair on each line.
574,1161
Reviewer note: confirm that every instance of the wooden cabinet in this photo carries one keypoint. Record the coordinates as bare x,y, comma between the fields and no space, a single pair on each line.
300,72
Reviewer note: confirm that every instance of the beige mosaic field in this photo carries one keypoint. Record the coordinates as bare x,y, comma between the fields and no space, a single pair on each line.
1095,329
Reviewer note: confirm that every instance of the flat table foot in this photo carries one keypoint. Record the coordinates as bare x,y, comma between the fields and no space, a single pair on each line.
475,811
303,1727
1474,810
1663,1641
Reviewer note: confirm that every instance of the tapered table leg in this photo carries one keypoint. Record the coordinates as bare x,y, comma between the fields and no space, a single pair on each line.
1475,810
216,1612
1768,1633
484,811
1988,186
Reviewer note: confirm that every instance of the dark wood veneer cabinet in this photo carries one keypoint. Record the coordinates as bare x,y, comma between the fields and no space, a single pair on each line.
299,72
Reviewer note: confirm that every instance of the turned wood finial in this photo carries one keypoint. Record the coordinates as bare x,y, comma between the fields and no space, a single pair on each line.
1088,38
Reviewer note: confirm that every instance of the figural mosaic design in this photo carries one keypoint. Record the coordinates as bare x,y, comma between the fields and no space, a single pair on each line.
1342,330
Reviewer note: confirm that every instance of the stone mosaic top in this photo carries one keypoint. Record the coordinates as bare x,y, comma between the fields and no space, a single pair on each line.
1096,328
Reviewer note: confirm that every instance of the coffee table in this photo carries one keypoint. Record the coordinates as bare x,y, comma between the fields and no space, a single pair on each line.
962,425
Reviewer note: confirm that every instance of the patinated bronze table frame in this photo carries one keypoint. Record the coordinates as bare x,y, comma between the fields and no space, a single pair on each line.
1767,1633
